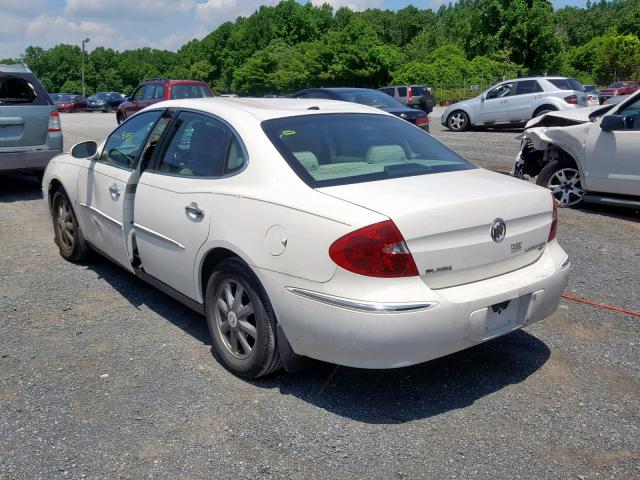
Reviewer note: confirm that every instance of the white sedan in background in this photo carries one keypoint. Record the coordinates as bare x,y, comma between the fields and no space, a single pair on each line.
311,228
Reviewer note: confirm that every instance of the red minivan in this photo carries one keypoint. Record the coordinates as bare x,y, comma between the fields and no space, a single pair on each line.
160,89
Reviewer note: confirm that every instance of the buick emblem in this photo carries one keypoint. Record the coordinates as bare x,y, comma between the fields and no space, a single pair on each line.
498,230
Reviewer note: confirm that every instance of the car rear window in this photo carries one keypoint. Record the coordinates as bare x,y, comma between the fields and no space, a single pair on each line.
339,149
567,84
189,90
21,89
418,91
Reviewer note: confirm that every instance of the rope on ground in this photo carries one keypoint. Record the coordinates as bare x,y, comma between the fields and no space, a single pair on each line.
601,305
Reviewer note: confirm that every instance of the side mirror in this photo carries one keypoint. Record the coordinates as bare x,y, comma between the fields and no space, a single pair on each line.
483,97
610,123
84,149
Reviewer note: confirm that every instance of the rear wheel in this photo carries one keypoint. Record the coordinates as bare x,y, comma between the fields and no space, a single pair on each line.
458,121
564,181
68,235
241,321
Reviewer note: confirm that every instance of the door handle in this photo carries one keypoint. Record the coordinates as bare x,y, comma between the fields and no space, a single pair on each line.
193,209
537,96
503,101
114,190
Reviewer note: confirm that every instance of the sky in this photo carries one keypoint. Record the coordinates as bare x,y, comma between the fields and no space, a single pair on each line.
127,24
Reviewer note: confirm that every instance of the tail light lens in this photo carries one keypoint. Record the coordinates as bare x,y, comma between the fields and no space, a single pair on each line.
409,95
54,122
378,250
572,99
554,220
422,121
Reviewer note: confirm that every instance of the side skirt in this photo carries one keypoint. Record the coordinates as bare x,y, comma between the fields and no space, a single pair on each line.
154,282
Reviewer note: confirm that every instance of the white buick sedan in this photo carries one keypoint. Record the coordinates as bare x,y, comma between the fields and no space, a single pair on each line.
311,228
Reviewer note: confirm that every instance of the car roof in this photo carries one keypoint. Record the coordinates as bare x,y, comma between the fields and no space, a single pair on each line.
14,68
268,108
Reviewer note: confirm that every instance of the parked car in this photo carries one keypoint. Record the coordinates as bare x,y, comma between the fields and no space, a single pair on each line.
30,131
514,102
412,96
67,102
159,89
311,228
615,100
592,94
589,155
105,101
616,89
372,98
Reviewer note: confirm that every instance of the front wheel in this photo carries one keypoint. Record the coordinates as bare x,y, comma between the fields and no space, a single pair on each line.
458,121
241,321
68,235
564,181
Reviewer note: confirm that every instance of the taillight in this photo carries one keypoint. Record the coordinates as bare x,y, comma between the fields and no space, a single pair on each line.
554,220
409,95
573,99
54,122
378,250
422,121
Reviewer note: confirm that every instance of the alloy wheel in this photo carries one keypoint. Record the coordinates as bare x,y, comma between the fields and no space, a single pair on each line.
566,186
457,121
66,227
235,318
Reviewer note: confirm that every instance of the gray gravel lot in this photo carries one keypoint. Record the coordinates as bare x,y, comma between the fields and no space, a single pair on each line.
105,377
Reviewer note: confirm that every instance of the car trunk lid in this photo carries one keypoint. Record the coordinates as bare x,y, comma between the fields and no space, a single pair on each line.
447,218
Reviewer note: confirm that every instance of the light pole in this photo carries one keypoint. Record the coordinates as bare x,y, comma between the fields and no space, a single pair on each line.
86,40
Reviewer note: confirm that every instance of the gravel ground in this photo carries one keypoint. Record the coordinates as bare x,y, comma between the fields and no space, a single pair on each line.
105,377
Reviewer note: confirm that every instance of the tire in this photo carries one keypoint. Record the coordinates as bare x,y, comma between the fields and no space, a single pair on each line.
241,323
68,236
119,118
107,109
458,121
542,111
562,177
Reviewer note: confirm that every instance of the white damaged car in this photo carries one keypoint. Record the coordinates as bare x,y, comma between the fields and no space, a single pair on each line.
590,155
311,228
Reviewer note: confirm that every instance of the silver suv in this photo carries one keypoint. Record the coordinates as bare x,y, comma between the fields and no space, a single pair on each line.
515,102
30,131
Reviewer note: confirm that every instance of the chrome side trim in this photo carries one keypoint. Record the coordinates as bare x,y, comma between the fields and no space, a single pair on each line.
159,235
102,214
361,305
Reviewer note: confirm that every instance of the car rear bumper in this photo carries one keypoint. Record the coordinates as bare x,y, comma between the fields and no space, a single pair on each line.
427,324
27,159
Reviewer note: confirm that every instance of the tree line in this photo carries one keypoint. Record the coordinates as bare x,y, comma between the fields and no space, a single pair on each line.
281,48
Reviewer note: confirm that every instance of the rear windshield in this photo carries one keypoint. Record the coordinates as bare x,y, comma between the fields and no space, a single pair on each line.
339,149
418,91
567,84
21,89
372,98
186,90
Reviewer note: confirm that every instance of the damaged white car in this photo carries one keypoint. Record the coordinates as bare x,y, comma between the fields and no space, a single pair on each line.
590,154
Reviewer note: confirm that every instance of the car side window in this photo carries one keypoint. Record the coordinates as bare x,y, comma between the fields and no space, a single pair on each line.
139,93
525,87
198,147
318,94
124,145
631,114
402,91
500,91
388,91
235,156
159,93
150,91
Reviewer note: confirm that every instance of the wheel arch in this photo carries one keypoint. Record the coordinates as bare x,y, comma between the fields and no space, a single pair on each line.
547,105
209,258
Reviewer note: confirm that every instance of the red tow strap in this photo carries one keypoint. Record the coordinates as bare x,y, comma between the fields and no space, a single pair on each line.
601,305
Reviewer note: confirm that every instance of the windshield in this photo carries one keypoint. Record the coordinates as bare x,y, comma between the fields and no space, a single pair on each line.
66,98
338,149
371,98
101,96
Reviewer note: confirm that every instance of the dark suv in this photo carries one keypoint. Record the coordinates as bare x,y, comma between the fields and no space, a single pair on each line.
160,89
30,131
412,96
